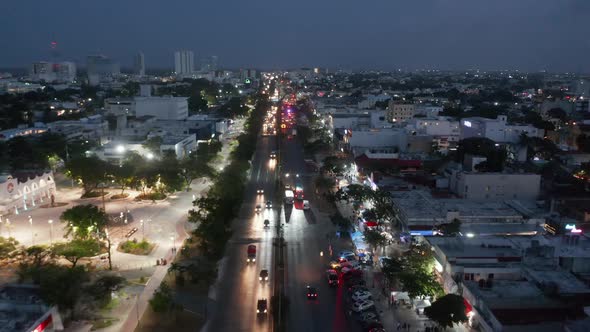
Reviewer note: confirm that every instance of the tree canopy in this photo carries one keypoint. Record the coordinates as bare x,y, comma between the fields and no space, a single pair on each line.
447,310
76,249
84,221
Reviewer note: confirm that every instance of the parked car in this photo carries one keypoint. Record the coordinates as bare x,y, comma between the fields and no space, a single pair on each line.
362,306
345,253
361,296
306,205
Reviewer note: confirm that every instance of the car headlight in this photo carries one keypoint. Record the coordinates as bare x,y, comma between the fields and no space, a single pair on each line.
257,311
264,310
266,278
259,278
254,259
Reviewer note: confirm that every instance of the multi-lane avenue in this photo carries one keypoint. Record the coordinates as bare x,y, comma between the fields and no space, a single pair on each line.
306,253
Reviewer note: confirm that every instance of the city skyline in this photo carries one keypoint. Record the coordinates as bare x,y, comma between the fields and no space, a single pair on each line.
528,35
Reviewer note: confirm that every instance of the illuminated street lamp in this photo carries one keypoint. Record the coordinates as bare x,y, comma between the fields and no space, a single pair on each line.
32,235
50,221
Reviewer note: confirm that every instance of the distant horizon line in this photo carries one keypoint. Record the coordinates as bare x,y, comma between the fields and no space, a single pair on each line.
127,69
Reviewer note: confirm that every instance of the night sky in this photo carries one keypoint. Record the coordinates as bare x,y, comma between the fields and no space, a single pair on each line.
361,34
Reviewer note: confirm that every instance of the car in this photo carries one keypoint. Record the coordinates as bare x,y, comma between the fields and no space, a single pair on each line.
358,288
273,154
306,205
362,306
369,316
263,276
268,204
312,293
266,223
361,296
332,277
258,208
345,253
262,306
260,191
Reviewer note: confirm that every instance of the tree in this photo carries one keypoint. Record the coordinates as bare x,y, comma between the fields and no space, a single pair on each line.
495,156
583,142
163,299
333,164
153,144
84,221
447,310
195,166
62,286
91,171
169,172
124,175
420,283
7,246
557,113
375,239
450,229
323,183
76,249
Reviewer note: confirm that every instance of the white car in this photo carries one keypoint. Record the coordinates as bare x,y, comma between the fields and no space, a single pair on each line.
345,253
369,316
306,205
361,296
362,305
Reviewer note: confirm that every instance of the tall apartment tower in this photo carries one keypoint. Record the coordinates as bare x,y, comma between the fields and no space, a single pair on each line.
184,62
139,64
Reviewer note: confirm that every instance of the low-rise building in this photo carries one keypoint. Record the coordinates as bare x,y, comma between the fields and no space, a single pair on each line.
495,186
497,129
400,112
22,310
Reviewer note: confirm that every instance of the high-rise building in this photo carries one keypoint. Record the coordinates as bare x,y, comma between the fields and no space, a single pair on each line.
184,62
101,65
139,64
209,63
53,72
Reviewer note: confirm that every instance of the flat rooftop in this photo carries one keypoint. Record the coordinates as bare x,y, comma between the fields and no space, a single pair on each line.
506,294
419,205
475,247
565,281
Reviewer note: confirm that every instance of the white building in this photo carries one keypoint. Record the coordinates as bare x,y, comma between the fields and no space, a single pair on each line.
401,112
184,62
495,186
139,64
165,108
385,140
53,71
25,191
497,129
428,110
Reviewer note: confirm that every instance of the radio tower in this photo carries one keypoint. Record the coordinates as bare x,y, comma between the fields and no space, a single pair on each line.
54,51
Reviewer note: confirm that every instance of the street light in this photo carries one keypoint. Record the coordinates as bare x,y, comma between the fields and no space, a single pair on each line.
50,221
173,238
32,235
142,230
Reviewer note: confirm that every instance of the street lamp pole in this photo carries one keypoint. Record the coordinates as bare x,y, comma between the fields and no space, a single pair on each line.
50,221
8,227
32,234
142,230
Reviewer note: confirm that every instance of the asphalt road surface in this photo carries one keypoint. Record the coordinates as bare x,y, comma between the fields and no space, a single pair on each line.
238,288
305,235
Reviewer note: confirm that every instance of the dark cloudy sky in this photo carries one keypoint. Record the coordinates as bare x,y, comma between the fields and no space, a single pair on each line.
379,34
